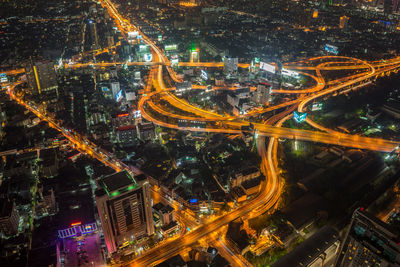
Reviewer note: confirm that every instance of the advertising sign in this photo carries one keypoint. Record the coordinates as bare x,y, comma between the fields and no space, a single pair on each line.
299,117
204,75
290,73
331,49
118,97
148,57
3,78
133,34
267,67
171,47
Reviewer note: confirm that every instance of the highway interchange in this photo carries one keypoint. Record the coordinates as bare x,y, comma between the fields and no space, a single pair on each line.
272,128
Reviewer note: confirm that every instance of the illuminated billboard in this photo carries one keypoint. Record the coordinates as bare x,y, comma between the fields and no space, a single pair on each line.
290,73
331,49
118,96
316,106
204,75
174,59
299,116
143,48
267,67
77,229
132,35
137,114
148,57
3,78
171,47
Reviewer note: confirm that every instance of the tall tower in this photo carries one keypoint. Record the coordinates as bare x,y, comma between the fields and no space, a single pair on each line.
124,206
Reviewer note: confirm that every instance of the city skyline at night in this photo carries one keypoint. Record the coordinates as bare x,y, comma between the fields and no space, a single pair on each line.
199,133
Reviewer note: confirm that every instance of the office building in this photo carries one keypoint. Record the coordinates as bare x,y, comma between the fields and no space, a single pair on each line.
369,242
126,135
9,218
166,218
262,94
41,76
166,213
230,65
124,206
146,131
115,88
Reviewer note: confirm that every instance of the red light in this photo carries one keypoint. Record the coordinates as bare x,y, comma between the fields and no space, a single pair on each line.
76,223
362,208
122,115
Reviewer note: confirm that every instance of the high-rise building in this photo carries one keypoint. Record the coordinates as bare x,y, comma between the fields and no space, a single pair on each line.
41,76
115,88
262,94
230,65
343,22
369,242
124,206
93,34
9,218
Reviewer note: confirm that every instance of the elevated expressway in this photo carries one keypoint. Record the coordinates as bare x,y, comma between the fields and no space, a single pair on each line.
271,188
228,124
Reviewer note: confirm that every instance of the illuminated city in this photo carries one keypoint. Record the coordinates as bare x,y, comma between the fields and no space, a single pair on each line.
200,133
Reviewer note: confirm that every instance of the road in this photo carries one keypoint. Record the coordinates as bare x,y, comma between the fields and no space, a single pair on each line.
272,187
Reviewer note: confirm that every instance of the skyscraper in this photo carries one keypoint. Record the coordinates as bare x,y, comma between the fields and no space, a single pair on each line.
369,242
41,76
124,207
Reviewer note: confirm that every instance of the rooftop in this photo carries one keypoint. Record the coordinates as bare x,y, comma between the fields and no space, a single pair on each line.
311,248
117,181
163,208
